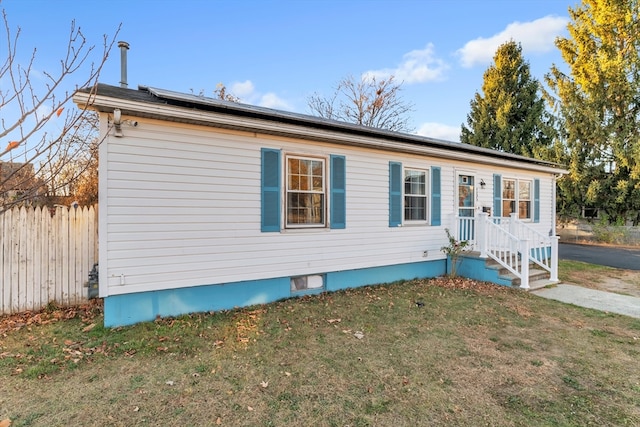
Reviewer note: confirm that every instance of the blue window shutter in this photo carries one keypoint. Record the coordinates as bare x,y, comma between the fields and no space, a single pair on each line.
436,199
395,194
338,192
270,194
497,195
536,200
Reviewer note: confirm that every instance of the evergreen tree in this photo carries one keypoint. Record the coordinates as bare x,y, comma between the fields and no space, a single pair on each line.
510,116
599,106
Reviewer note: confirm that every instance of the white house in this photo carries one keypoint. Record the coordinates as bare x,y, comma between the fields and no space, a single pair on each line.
207,205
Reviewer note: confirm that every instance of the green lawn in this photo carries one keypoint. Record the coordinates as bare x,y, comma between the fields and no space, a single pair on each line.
440,352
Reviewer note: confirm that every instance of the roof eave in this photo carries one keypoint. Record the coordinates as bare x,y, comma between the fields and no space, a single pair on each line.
273,122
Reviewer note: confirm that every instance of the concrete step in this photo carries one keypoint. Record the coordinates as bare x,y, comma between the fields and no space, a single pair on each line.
534,275
493,263
539,284
538,277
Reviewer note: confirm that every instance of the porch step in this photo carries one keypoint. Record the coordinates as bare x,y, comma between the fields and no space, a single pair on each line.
539,284
538,278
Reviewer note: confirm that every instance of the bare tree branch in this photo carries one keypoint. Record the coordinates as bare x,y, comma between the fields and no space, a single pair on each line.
44,138
367,102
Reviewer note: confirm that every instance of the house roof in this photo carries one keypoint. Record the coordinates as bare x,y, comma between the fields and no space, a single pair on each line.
155,103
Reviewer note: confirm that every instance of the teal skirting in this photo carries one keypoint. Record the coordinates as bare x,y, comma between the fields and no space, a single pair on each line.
127,309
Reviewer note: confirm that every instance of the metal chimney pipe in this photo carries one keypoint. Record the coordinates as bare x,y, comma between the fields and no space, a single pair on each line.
124,46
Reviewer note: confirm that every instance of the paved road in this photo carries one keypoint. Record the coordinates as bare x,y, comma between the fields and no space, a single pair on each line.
602,255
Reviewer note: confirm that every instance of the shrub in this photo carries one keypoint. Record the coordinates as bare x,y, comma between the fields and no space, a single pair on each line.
453,250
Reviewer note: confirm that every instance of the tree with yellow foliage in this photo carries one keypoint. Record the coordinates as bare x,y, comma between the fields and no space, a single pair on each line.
598,103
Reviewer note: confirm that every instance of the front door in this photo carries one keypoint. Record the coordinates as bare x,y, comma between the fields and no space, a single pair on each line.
466,207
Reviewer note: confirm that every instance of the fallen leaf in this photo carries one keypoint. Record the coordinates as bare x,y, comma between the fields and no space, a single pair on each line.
219,421
358,335
288,374
136,409
11,145
249,408
264,384
89,327
5,423
169,382
334,320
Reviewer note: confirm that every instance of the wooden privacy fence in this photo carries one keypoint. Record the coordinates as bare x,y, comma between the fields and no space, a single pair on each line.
45,256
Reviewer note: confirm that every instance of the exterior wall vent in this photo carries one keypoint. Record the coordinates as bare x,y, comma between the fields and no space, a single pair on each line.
307,283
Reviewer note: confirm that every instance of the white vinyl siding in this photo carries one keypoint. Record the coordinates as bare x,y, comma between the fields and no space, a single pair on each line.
180,207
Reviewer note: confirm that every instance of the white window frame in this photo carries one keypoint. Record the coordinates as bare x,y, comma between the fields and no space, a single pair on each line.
517,197
426,196
324,193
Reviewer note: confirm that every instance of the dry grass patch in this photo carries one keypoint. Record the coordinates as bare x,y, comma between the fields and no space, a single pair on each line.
437,352
625,282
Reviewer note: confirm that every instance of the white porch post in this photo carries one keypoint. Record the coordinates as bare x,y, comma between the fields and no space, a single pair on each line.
454,228
512,224
554,258
525,248
481,233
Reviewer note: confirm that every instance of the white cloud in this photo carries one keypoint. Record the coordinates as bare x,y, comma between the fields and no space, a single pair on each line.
242,89
440,131
535,36
248,94
271,100
417,66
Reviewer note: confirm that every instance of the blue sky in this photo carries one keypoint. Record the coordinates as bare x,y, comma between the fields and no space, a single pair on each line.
278,53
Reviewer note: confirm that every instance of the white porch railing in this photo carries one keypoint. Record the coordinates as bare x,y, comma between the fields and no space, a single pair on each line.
541,246
511,243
